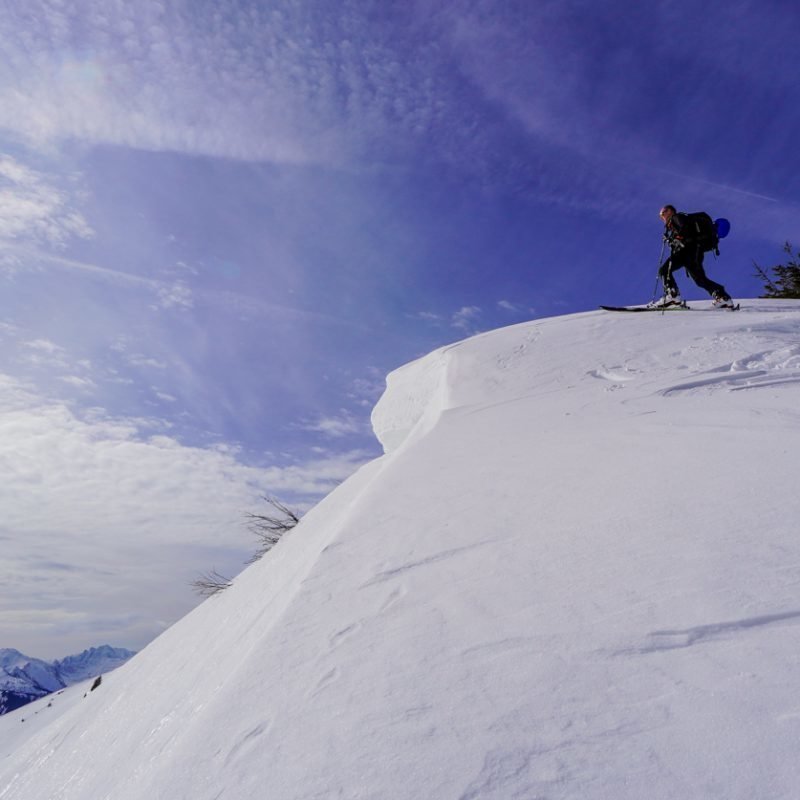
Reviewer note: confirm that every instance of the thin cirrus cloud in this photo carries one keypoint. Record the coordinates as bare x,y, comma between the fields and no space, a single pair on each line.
290,83
34,209
562,100
176,294
620,106
285,83
130,77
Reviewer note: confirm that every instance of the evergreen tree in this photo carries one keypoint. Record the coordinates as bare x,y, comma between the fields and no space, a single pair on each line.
784,280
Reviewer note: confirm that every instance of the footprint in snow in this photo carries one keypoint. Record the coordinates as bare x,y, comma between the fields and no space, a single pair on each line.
247,741
326,680
618,374
343,634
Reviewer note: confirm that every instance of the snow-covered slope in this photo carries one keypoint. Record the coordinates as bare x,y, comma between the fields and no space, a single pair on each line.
574,575
21,724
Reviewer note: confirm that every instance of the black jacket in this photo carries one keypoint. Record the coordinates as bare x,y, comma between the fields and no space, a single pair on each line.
679,233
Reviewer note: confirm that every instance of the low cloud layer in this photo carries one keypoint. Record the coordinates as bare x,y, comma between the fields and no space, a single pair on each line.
100,507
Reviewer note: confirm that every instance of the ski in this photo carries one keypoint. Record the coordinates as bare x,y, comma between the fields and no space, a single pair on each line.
682,307
646,308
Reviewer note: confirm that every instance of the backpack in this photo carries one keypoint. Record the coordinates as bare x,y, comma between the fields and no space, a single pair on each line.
702,229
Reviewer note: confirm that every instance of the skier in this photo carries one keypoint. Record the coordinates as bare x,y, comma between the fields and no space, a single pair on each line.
686,250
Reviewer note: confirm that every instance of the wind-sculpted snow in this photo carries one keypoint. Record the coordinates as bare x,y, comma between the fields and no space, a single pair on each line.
572,576
415,393
453,376
753,371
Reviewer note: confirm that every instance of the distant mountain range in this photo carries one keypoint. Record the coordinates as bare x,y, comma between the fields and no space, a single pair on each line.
24,679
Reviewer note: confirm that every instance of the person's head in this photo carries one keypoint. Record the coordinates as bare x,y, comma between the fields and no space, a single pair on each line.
666,213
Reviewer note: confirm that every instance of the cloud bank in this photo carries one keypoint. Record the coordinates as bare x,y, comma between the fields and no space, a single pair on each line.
94,506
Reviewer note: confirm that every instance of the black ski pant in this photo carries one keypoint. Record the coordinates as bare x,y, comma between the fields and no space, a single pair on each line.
690,258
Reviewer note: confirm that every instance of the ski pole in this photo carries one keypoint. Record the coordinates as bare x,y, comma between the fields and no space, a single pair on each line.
667,282
658,276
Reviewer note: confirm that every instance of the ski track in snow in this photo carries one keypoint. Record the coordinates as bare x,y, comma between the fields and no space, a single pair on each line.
677,639
445,555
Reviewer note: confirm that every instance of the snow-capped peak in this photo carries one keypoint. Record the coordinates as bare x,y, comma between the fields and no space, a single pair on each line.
23,678
91,662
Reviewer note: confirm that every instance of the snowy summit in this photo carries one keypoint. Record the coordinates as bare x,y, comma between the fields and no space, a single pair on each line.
573,574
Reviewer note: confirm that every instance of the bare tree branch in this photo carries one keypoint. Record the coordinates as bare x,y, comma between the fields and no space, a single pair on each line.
210,583
270,527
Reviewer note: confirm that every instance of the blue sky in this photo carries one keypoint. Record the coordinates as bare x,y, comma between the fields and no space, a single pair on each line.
222,224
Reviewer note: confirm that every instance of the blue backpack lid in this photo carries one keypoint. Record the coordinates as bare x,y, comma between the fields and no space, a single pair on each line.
723,227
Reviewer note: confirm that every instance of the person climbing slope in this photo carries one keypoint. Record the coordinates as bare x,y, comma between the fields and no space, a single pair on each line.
688,237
